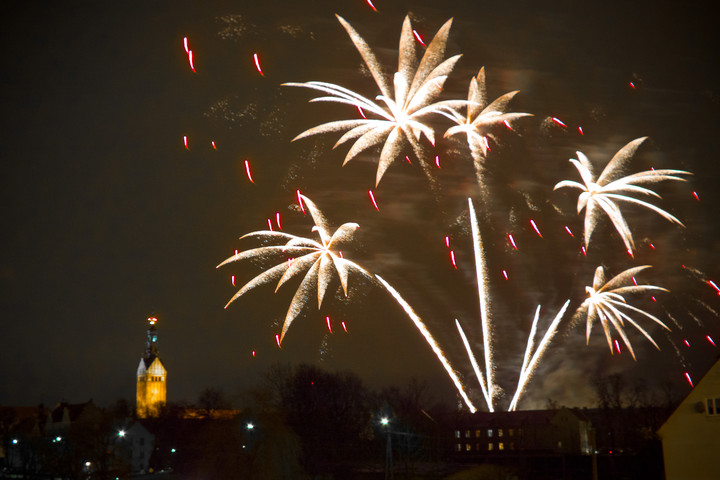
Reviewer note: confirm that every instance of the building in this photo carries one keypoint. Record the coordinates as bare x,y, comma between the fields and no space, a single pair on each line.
151,377
564,431
691,436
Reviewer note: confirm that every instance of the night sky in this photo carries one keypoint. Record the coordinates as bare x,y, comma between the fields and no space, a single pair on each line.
108,219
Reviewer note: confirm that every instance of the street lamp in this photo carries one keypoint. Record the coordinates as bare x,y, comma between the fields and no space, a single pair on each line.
385,422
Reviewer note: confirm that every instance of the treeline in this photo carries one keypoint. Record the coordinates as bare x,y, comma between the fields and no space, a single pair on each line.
305,422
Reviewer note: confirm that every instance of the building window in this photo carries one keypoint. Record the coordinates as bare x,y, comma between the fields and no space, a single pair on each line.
713,406
512,445
490,432
477,433
468,447
467,433
459,447
511,432
501,446
500,432
490,447
457,433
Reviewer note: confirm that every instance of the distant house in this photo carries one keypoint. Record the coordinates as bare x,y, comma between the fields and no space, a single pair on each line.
562,431
134,445
691,436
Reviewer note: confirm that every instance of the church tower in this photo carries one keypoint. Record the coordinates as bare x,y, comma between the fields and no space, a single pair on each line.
151,377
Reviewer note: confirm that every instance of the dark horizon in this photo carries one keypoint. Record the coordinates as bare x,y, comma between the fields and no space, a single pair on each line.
110,219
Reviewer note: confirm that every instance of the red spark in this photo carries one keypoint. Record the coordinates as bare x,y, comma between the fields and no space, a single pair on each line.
190,59
269,225
617,346
408,159
584,252
212,142
369,2
372,198
687,343
185,142
580,130
714,285
696,196
257,64
634,281
236,251
437,161
654,299
567,229
277,220
512,241
419,38
652,246
362,114
558,121
277,339
447,241
632,85
452,259
247,170
344,326
300,202
253,353
687,376
185,44
709,339
232,280
629,252
535,227
327,322
504,272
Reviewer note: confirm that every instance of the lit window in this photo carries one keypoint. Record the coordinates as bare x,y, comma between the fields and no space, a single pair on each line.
459,447
457,433
511,432
478,433
501,446
490,432
467,433
500,432
468,447
490,447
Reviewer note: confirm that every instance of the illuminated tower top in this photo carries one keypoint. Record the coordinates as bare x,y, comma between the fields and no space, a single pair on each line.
151,343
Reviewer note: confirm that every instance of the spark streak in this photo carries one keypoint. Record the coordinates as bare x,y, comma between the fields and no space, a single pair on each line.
300,202
257,64
452,259
247,170
535,227
431,341
419,38
369,2
558,121
709,339
567,229
689,380
185,142
344,326
327,322
372,198
482,283
512,241
529,364
277,220
190,60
